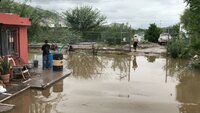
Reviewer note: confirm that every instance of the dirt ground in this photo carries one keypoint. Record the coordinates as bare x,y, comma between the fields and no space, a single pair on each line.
142,49
149,49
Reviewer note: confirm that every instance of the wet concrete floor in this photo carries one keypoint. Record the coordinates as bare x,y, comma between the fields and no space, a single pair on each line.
117,84
45,78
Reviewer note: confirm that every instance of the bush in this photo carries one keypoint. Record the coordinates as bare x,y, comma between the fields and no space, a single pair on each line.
196,59
177,48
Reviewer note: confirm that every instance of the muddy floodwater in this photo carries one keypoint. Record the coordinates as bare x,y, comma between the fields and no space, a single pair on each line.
116,84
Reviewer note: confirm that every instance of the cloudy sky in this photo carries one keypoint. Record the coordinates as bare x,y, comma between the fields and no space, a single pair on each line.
138,13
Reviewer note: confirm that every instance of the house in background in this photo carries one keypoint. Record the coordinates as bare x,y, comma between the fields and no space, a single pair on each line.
140,36
13,35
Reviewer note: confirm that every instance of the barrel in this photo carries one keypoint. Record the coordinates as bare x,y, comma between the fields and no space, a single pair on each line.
57,62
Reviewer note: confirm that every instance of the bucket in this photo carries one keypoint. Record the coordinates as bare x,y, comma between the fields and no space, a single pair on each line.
35,63
50,62
58,62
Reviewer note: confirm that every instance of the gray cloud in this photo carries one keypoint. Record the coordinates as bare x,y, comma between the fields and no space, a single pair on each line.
138,13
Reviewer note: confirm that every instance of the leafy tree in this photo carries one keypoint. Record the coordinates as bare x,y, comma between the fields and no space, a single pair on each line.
194,5
6,6
177,48
174,30
84,19
190,20
153,33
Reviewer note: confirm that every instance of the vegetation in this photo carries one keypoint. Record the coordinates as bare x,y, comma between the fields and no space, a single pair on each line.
117,34
177,48
174,30
86,24
152,34
190,20
191,23
41,19
79,24
4,66
84,18
194,5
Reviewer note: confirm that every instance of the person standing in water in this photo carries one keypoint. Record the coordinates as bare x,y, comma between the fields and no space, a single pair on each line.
135,42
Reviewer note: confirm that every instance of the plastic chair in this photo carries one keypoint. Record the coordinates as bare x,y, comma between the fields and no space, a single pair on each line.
19,68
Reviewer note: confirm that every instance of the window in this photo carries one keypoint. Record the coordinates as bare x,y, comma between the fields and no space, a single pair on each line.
9,41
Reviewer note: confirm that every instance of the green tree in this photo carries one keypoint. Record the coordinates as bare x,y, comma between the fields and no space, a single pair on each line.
174,30
190,20
6,6
152,34
194,5
84,18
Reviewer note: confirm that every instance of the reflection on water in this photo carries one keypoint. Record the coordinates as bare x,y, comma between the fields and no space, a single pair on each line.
189,108
22,102
188,88
174,66
151,58
134,62
147,74
188,92
83,65
89,66
45,101
38,101
58,87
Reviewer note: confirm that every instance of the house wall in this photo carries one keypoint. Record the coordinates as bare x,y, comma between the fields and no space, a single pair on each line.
23,23
23,43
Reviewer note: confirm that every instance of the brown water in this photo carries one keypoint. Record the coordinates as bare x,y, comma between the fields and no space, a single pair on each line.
117,84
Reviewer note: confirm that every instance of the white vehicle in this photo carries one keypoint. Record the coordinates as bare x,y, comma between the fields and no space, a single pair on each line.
164,38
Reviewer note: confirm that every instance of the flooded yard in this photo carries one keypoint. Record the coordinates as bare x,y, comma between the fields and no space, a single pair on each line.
116,84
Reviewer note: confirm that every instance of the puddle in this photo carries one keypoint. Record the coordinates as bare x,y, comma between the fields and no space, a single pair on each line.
117,84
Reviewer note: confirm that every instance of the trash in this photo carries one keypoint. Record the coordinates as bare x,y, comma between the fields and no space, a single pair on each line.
2,89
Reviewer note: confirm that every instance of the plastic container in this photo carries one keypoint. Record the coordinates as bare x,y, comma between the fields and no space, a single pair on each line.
50,63
58,62
35,63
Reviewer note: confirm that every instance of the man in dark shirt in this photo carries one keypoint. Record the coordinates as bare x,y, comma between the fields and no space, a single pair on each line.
45,48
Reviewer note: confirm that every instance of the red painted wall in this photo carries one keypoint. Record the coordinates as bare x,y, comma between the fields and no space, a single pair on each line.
23,43
12,19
